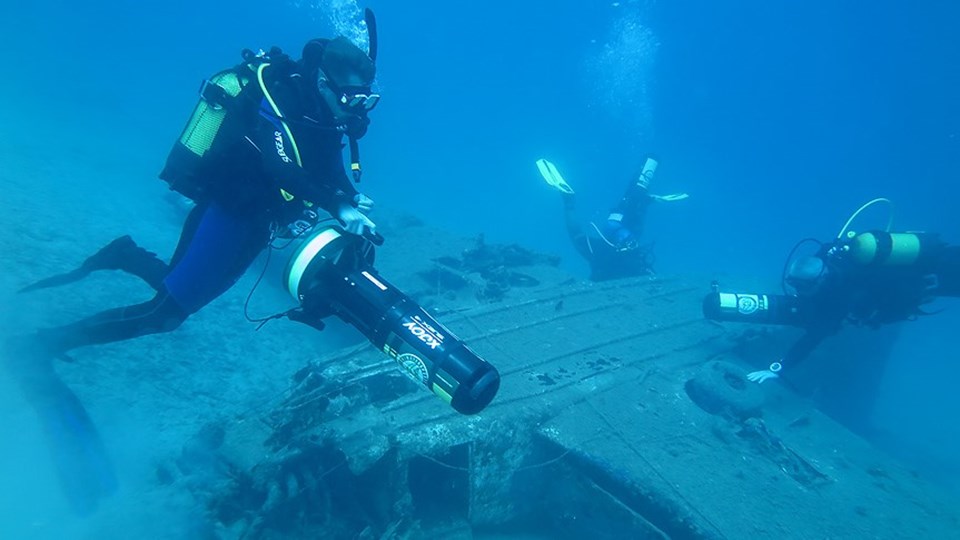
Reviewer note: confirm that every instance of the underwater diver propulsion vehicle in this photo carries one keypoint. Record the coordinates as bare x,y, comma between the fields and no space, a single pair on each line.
752,308
331,273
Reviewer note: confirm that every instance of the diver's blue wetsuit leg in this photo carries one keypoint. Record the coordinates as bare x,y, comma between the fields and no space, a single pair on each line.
215,250
190,226
219,253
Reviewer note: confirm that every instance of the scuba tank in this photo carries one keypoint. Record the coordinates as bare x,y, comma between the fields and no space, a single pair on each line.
883,248
880,248
752,308
182,168
218,118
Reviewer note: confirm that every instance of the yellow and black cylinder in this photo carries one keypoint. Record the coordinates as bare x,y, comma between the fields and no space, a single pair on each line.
878,248
208,115
182,168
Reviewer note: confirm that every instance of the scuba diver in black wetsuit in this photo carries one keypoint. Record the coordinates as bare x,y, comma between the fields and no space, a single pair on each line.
870,279
274,164
613,250
261,157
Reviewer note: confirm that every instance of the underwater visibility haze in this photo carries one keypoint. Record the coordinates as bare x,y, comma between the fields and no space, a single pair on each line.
765,123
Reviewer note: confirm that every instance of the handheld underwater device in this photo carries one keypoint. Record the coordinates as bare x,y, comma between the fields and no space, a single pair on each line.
331,273
752,308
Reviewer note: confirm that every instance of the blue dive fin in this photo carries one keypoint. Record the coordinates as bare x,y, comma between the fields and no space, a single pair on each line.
83,467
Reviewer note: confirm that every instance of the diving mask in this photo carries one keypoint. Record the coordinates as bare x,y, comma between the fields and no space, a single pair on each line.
360,102
354,99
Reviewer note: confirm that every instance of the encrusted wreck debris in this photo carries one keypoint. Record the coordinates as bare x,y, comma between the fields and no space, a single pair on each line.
622,414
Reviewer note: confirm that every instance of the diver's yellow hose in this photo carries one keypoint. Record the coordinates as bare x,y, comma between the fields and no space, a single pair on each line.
276,111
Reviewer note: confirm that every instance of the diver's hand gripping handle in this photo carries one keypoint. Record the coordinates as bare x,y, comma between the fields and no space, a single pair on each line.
373,237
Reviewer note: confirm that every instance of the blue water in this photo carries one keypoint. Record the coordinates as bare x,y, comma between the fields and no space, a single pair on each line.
778,118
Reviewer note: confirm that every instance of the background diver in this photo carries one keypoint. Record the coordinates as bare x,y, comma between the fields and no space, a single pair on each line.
612,249
870,279
261,155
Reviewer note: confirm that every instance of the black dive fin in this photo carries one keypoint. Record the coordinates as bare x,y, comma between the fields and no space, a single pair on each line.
120,254
58,280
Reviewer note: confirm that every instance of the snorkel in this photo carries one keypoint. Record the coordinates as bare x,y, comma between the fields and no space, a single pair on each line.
371,33
344,74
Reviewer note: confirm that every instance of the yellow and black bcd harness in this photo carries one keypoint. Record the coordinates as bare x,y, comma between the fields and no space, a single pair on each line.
355,166
219,96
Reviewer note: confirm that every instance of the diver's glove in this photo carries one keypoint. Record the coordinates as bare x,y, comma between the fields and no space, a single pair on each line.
354,222
363,203
771,372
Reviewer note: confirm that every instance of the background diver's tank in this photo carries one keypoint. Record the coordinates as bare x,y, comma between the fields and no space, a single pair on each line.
331,273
